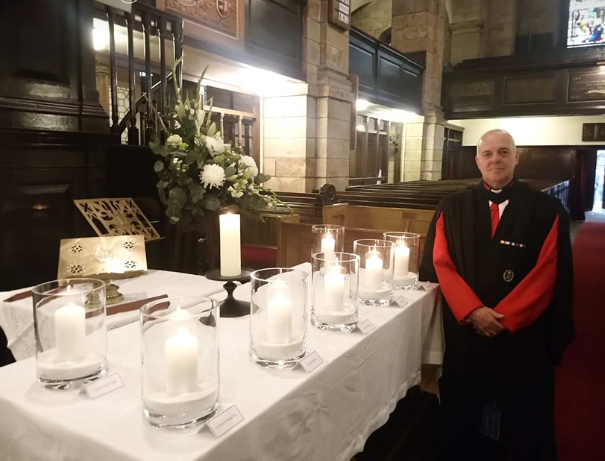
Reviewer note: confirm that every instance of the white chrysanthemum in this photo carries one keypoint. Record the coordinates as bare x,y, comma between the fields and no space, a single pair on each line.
212,176
250,163
175,140
215,146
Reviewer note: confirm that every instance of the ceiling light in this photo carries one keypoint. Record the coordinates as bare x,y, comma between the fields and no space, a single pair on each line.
402,116
100,35
362,104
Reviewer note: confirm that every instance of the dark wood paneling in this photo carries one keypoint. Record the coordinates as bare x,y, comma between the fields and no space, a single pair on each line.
274,31
273,37
47,69
536,162
386,76
566,84
41,173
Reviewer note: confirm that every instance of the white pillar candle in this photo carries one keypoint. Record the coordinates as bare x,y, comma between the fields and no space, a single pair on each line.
334,289
328,243
231,257
70,331
279,319
402,261
373,272
181,351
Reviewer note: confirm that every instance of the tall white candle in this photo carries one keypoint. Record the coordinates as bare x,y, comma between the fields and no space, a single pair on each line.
231,257
328,243
181,351
70,331
373,272
279,319
402,261
334,289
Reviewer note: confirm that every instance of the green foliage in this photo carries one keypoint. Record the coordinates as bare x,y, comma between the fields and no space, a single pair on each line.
197,171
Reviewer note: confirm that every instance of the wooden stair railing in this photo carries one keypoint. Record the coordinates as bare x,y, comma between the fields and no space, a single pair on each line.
168,29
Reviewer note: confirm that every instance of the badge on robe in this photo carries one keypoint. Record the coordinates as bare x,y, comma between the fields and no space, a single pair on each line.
508,275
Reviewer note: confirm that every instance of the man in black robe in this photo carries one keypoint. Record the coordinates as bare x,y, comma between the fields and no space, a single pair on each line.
502,255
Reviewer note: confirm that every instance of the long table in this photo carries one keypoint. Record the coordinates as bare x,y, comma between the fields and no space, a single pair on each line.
327,414
17,317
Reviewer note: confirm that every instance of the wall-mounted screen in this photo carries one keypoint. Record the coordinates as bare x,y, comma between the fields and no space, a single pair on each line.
586,21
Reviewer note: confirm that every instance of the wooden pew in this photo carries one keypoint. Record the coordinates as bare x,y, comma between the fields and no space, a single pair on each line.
392,219
295,241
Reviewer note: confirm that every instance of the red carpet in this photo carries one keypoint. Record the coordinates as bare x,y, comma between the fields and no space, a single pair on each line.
580,391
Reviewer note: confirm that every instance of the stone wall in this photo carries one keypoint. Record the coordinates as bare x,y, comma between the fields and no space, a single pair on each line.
307,135
502,27
373,18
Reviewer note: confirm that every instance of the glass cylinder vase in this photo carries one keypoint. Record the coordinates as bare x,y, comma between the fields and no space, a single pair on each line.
375,274
335,283
328,239
278,317
406,258
180,360
71,332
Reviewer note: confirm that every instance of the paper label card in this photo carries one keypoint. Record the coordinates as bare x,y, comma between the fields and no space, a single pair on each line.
426,286
225,421
102,386
310,362
366,326
399,301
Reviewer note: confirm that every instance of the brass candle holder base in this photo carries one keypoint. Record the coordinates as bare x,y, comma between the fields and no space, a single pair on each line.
113,295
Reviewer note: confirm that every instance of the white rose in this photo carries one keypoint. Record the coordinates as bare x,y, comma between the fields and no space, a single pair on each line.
175,140
215,146
250,163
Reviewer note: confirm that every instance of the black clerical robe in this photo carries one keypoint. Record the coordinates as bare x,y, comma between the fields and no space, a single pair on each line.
524,272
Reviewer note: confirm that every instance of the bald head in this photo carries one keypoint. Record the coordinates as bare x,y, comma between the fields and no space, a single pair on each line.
497,158
501,135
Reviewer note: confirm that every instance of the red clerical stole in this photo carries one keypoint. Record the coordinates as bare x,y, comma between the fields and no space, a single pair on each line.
494,210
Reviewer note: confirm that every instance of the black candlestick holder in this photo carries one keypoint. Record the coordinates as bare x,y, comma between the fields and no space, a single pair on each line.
231,307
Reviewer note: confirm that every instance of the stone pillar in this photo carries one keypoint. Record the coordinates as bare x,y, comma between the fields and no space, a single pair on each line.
419,26
307,136
288,141
503,26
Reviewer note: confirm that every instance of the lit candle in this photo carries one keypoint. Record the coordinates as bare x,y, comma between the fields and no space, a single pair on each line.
70,331
328,243
279,319
334,288
181,351
231,258
402,260
373,272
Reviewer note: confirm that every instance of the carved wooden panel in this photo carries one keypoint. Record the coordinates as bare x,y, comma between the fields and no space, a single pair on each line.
471,92
526,90
114,217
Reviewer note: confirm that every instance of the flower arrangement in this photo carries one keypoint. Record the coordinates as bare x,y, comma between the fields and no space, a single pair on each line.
198,172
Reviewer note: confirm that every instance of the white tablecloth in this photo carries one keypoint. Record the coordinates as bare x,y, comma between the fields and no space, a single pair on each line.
17,318
326,415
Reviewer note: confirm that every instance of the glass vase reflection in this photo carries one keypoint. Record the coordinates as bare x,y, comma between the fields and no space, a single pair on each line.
375,274
71,332
278,317
328,239
180,361
405,259
335,283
